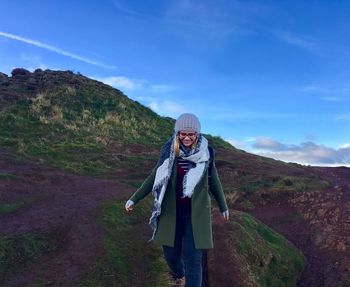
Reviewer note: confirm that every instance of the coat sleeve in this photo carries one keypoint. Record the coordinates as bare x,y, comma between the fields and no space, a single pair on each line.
145,188
216,188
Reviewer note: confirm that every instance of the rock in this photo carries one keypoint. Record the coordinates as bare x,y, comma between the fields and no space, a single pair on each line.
20,72
341,246
334,219
321,212
319,239
3,76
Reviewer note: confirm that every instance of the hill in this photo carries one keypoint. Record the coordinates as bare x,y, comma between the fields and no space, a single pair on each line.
73,149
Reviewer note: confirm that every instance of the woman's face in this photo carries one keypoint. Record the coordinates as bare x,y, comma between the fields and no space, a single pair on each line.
187,137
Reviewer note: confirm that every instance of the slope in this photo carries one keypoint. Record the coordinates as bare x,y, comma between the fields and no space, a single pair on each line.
97,146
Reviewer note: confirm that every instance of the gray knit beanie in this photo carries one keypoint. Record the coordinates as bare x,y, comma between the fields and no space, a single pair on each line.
187,122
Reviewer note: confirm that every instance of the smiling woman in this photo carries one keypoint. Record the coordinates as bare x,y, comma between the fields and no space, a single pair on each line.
181,217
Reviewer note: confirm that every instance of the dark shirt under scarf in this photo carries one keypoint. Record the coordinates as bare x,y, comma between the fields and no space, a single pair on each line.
183,204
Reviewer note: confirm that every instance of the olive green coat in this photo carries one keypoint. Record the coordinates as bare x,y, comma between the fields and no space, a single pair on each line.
201,208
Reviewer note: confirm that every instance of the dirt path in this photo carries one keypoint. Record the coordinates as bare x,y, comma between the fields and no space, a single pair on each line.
64,204
223,269
318,223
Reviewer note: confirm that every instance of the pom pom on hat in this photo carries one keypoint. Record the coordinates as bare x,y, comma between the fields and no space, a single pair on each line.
187,122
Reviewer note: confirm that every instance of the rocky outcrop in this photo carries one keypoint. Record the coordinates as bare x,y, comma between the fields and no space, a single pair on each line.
328,215
3,76
19,72
24,84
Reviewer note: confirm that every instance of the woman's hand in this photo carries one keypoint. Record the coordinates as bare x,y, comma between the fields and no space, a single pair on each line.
226,215
129,205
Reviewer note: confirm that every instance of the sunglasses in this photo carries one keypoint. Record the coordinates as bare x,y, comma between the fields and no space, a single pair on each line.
190,135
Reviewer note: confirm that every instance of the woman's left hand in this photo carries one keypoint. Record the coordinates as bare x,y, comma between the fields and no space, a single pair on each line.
226,215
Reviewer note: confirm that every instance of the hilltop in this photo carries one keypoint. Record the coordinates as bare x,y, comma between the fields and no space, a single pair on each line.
71,151
74,122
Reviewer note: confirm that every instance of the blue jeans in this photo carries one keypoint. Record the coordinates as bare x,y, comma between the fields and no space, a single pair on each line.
187,261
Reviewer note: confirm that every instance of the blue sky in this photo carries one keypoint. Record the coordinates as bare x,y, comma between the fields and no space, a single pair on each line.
271,77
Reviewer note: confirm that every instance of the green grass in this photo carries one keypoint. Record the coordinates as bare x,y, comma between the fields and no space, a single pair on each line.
271,259
7,208
78,141
264,188
130,261
284,184
5,175
15,251
288,184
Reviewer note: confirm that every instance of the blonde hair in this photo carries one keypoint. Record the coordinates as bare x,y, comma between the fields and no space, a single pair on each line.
177,144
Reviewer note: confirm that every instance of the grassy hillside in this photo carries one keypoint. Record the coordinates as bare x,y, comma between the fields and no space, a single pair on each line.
266,256
87,127
253,254
74,122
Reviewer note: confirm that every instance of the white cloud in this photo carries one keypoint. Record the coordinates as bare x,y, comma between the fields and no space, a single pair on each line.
123,83
268,144
127,84
343,118
332,99
324,90
298,40
237,144
154,106
134,86
304,153
250,139
328,93
166,108
55,49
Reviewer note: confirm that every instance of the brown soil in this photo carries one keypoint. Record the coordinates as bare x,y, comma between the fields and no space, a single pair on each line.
63,203
317,222
222,265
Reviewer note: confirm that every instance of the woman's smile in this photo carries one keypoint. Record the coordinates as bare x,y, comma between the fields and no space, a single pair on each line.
187,138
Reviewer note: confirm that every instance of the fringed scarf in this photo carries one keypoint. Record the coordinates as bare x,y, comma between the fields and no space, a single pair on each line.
199,157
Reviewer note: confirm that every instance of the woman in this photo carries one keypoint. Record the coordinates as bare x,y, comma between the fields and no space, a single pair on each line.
181,217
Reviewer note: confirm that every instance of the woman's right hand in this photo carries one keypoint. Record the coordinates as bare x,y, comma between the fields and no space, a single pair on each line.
129,205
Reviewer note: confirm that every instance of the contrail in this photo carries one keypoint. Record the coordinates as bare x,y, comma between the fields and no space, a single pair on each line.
56,50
